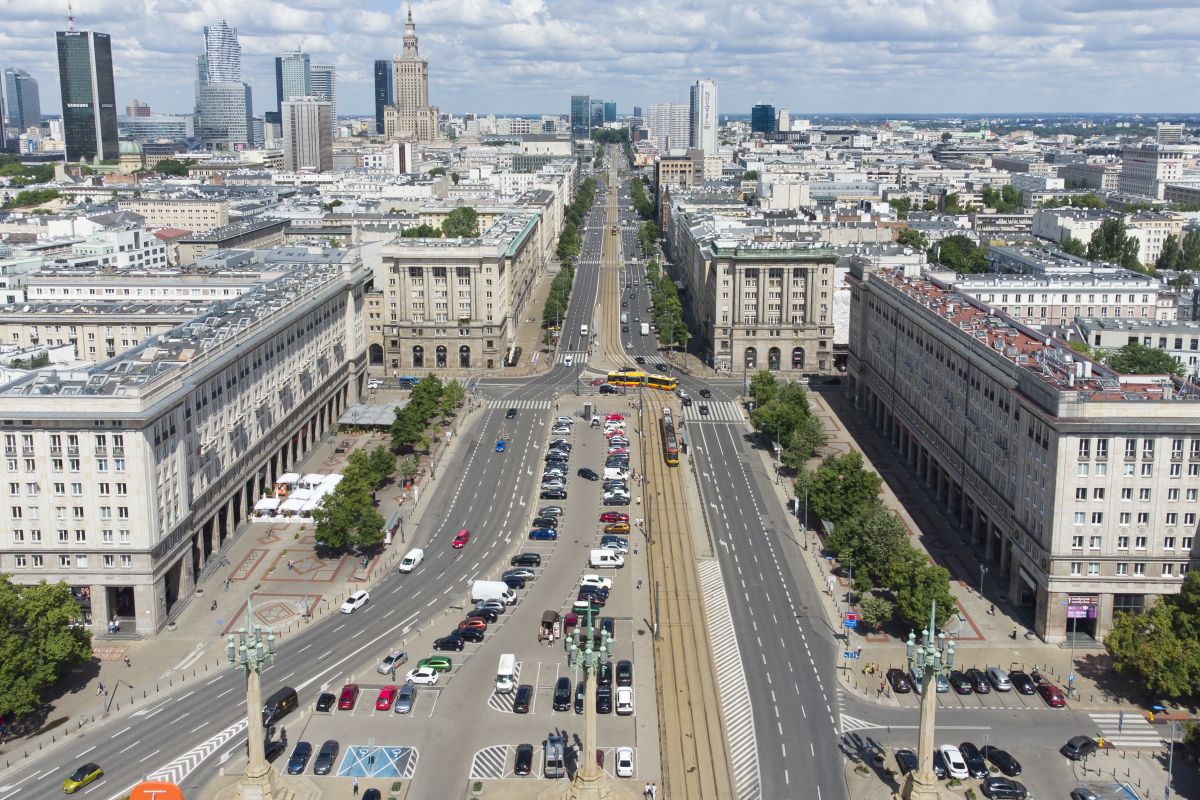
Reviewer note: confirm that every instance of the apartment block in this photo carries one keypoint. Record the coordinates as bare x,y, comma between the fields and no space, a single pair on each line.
252,234
1079,484
189,213
126,478
1180,339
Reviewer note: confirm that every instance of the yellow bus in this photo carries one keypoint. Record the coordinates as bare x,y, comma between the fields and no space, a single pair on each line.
627,378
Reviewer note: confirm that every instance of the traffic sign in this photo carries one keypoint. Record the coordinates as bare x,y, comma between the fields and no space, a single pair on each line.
851,654
850,623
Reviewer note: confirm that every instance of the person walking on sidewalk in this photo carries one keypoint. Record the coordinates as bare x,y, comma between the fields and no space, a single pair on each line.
646,790
356,787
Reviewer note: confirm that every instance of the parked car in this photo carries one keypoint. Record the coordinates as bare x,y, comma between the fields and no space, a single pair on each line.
325,758
1078,747
452,642
562,694
899,681
471,634
960,682
906,760
423,675
325,701
624,673
580,694
1022,682
998,678
387,696
624,701
1052,695
624,760
406,697
348,697
436,663
979,681
392,660
1004,789
588,474
521,572
522,699
614,516
975,762
1001,758
523,763
595,580
301,753
544,522
487,614
553,494
526,560
604,699
956,767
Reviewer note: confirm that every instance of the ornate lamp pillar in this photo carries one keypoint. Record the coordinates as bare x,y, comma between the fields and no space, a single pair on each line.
250,651
934,655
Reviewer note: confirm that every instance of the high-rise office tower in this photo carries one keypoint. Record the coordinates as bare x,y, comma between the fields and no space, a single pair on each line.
702,116
410,117
385,90
668,125
581,116
224,106
23,105
89,98
597,115
137,109
223,54
322,81
783,120
293,77
307,134
637,111
610,111
762,118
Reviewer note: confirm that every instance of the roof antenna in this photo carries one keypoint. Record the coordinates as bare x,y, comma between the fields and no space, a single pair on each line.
70,16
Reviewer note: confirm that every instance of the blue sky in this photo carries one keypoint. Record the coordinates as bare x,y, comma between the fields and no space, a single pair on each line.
529,56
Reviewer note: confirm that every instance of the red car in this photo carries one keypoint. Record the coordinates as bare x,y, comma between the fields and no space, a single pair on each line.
613,417
386,696
614,516
614,434
348,697
473,622
461,539
599,381
1051,694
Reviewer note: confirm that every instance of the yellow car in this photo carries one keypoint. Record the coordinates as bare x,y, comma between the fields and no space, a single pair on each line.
82,777
617,527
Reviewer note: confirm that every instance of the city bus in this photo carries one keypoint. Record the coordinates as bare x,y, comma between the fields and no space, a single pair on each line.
627,378
663,382
670,442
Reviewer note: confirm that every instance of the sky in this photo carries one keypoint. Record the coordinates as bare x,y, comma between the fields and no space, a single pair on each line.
529,56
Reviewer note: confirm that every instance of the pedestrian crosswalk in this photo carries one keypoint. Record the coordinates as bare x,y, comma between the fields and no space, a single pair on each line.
1127,729
725,411
534,404
577,357
731,683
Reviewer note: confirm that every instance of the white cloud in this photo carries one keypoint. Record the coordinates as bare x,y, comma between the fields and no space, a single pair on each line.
530,55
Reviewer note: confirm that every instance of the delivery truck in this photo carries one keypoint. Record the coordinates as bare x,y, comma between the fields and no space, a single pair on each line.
492,590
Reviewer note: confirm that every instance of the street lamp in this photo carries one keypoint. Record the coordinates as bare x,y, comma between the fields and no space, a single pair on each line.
1175,725
934,655
589,777
250,651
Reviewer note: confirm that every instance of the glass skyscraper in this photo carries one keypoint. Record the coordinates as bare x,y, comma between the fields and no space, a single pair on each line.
581,116
89,103
762,118
385,90
224,105
293,77
24,106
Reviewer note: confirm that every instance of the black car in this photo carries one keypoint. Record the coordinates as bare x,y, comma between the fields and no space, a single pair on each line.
608,388
661,367
588,474
525,560
906,760
610,625
546,522
899,681
1003,761
687,401
1022,682
616,500
513,581
624,673
553,494
325,701
979,681
523,764
705,393
512,412
604,696
1077,747
639,360
522,699
471,634
939,764
452,642
301,753
580,694
703,410
488,615
562,694
274,749
975,763
375,794
960,682
324,763
1003,788
604,674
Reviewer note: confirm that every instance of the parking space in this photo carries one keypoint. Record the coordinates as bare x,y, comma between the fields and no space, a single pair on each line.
496,762
371,761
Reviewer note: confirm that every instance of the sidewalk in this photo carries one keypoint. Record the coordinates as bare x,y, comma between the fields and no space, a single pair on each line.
273,562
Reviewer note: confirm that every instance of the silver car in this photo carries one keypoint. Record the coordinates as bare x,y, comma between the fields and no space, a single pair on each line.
405,698
392,661
999,679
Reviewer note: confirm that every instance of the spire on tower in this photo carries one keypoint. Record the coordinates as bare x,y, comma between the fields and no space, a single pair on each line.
71,16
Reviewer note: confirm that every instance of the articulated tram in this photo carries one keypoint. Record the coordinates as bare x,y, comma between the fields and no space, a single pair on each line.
670,441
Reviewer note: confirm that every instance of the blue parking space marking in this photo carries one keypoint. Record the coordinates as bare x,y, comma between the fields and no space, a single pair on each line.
362,761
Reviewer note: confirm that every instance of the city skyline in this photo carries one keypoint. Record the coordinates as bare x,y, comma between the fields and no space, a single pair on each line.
941,57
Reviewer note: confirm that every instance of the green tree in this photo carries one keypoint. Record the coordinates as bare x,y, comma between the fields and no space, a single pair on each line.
453,394
910,237
1111,242
406,429
865,542
422,231
901,205
1183,280
874,611
1158,648
776,420
173,167
437,171
1171,257
32,197
382,464
1074,247
40,642
839,486
409,467
1191,251
462,222
919,584
1137,359
805,440
763,387
454,177
951,206
750,175
960,254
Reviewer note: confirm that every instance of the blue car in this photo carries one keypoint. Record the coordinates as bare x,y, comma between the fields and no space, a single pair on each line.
500,446
544,534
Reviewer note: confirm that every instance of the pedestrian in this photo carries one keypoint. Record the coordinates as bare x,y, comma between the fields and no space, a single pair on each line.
653,790
1014,634
639,585
356,787
992,610
646,790
860,650
99,689
127,664
882,687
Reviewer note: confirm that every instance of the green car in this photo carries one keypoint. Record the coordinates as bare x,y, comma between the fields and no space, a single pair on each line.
436,663
82,777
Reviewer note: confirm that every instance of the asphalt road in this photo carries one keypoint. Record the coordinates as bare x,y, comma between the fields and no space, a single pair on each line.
204,719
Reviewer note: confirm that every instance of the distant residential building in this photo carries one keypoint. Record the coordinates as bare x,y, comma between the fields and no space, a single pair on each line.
23,105
1147,169
1181,340
323,81
581,120
1059,224
137,109
1170,132
307,134
89,97
668,125
763,119
251,235
385,91
783,120
702,116
1151,229
1103,176
197,215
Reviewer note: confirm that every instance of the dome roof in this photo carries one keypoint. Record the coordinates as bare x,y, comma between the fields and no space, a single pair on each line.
129,148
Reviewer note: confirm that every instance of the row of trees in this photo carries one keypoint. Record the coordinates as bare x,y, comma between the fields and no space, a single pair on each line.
782,414
32,197
429,398
896,579
641,204
558,298
347,518
1180,253
614,136
20,175
1006,201
666,308
40,643
1089,200
570,241
648,235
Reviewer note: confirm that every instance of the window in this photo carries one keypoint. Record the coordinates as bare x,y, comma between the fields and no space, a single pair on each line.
1127,494
1147,470
1076,567
126,561
1097,518
1102,448
1190,495
1147,448
64,562
36,561
1125,517
1094,543
1076,542
1130,471
109,561
123,536
1144,495
1093,568
1189,519
1168,543
1098,493
1168,569
1080,517
19,561
1139,569
1101,470
1085,448
106,536
1122,568
1122,542
1131,448
81,562
1081,493
1081,470
1172,518
1139,543
1176,470
1172,495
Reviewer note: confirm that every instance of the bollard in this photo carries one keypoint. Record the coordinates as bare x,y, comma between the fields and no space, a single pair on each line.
143,694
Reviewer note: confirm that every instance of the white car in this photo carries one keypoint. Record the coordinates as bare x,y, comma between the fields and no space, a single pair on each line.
563,421
624,762
956,765
563,431
596,581
568,361
616,547
423,675
625,701
355,601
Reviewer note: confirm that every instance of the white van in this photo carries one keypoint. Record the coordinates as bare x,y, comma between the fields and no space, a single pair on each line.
615,474
605,558
583,330
506,674
624,317
411,559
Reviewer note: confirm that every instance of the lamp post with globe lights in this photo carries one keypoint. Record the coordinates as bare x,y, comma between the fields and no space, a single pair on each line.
933,656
